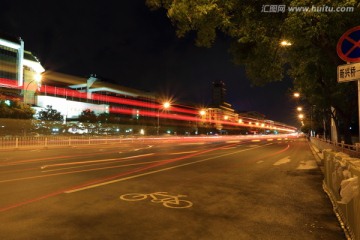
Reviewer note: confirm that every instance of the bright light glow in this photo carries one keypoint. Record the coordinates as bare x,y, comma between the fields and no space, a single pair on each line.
301,116
226,117
299,109
296,94
142,131
202,112
38,77
166,105
285,43
240,120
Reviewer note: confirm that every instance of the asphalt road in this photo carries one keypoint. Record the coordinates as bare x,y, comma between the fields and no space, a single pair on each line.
220,189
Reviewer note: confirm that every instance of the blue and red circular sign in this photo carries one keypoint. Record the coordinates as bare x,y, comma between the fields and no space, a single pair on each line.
348,47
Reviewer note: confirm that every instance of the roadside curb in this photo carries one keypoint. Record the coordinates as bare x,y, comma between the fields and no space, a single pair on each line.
318,156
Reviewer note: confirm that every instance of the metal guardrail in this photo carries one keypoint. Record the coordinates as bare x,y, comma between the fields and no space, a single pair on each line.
351,150
341,183
63,141
48,141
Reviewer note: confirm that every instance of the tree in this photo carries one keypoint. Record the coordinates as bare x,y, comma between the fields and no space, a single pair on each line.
88,116
256,33
50,114
15,109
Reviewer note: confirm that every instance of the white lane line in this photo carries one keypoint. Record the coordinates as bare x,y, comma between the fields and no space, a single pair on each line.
93,161
305,165
160,170
259,162
79,171
97,169
178,153
194,143
282,161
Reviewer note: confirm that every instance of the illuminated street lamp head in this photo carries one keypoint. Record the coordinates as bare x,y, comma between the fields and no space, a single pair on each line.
202,112
166,105
301,116
285,43
296,94
38,77
299,109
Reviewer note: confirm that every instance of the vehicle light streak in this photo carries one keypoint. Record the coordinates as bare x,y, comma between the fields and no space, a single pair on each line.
194,114
110,180
98,181
94,161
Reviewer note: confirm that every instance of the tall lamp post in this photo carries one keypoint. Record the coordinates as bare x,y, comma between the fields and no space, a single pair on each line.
202,112
165,105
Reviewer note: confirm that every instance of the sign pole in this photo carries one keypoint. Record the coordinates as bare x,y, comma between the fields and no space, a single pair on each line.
347,49
359,107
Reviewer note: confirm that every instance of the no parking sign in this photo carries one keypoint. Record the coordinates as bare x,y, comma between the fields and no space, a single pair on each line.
348,47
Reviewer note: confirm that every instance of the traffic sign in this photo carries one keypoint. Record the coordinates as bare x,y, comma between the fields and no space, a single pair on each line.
348,47
348,72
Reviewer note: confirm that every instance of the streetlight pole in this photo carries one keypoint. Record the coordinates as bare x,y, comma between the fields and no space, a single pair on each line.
165,105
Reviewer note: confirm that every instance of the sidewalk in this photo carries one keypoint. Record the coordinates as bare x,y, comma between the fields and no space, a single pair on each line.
319,157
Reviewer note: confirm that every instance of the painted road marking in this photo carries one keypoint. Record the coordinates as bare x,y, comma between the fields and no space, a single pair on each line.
282,161
259,162
79,171
167,200
194,143
306,165
160,170
178,153
234,141
94,161
229,148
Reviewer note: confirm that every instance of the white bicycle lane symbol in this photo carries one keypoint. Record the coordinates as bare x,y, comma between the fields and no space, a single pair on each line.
166,199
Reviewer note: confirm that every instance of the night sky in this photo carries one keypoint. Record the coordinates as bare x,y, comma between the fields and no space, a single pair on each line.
136,47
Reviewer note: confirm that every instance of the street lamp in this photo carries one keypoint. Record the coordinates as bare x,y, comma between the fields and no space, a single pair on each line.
296,94
202,113
285,43
165,105
299,109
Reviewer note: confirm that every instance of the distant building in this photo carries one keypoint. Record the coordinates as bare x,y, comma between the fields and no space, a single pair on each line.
219,112
18,69
70,95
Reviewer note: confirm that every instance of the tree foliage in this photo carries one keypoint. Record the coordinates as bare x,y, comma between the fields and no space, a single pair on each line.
88,116
15,109
50,114
311,61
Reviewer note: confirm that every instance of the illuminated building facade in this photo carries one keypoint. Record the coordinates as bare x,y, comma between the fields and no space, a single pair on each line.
220,111
19,70
70,95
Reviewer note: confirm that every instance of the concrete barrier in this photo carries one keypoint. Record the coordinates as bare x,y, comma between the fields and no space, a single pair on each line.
341,183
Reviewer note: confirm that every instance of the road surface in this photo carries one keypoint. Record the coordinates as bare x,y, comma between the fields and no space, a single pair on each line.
267,188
